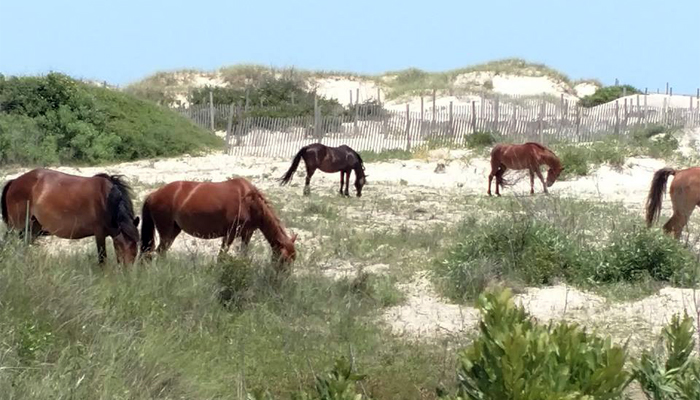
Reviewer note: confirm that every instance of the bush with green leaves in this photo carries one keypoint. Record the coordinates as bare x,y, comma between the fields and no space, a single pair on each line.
607,94
514,357
521,249
482,139
337,384
639,254
54,118
678,375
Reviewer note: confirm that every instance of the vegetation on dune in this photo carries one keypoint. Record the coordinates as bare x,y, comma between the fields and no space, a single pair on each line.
516,357
54,118
607,94
545,241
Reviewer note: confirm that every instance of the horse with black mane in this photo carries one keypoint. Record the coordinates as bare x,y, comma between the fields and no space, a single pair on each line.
341,159
73,207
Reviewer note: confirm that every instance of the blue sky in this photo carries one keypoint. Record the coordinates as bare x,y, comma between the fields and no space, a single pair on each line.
644,43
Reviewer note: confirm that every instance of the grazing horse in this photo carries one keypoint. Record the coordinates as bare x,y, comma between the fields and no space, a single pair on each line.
74,207
523,156
329,160
685,195
230,209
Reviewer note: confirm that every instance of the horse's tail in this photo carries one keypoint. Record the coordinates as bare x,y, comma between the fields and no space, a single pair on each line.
147,228
656,192
3,202
295,163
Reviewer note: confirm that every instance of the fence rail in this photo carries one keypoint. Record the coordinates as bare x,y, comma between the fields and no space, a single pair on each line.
250,132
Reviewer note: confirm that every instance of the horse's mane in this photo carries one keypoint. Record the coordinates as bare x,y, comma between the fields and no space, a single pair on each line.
120,205
545,149
362,163
265,206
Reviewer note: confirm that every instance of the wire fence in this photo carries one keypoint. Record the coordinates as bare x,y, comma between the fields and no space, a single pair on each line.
253,132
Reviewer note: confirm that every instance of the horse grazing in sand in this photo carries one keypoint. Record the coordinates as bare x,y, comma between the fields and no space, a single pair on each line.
230,209
523,156
685,196
341,159
73,207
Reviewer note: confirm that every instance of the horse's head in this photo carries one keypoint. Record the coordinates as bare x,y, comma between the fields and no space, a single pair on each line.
126,242
287,252
360,181
553,174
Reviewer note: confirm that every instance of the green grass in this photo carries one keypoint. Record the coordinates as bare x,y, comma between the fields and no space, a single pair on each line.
56,119
544,241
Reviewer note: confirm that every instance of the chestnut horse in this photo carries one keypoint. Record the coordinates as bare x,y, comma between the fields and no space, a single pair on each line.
523,156
230,209
685,195
341,159
74,207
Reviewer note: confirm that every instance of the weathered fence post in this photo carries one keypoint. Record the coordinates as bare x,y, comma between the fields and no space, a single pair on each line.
451,127
540,118
578,123
421,115
644,112
670,91
432,127
473,116
667,88
229,126
355,129
496,112
379,97
350,90
408,128
357,96
617,117
211,110
317,128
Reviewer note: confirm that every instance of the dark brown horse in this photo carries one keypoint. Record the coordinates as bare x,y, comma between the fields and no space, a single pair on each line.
341,159
73,207
685,196
523,156
230,209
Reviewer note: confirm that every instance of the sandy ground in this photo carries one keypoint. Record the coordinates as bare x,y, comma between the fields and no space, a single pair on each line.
424,313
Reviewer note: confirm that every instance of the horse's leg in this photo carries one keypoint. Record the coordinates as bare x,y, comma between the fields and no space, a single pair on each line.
679,219
532,182
347,183
309,174
539,175
342,181
100,239
490,179
246,235
167,237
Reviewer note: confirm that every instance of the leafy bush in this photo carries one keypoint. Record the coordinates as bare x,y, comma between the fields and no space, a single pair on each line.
481,139
677,377
337,384
641,253
56,118
606,94
522,249
514,357
236,281
575,160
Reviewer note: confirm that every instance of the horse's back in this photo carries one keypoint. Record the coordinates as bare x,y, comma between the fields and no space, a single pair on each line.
65,205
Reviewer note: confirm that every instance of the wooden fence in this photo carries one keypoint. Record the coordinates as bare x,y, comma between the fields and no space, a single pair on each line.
374,128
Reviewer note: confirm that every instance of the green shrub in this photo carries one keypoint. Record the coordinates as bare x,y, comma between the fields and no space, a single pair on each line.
522,249
677,377
575,160
641,253
237,280
385,155
481,139
515,357
606,94
56,118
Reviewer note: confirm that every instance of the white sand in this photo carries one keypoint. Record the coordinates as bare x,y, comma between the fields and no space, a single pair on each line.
339,88
585,89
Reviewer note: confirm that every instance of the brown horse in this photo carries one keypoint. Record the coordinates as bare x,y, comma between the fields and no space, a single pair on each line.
230,209
341,159
523,156
74,207
685,196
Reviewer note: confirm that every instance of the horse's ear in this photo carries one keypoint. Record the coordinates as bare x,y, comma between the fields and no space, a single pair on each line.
136,221
294,237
